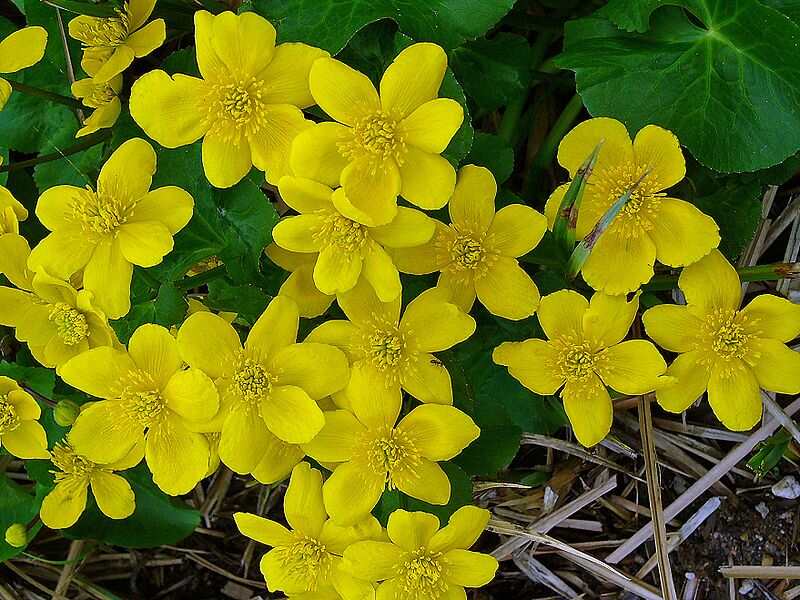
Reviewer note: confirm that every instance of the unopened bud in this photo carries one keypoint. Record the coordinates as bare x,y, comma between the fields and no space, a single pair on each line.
65,412
17,535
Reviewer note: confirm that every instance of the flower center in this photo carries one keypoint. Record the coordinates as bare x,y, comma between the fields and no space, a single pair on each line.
98,32
100,95
307,560
640,211
251,382
69,463
466,253
142,399
9,420
421,575
70,323
576,360
390,452
375,136
725,335
385,348
99,213
343,233
235,110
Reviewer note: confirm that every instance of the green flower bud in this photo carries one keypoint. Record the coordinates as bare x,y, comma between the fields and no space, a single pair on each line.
65,412
17,535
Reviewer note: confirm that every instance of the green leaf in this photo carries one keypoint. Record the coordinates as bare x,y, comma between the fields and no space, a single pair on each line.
167,309
16,506
704,72
494,153
247,301
493,451
40,380
493,71
330,24
460,494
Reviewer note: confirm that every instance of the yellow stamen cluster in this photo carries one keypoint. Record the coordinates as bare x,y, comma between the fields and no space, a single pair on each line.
235,110
142,399
99,212
376,137
342,233
108,32
384,346
251,382
100,95
69,463
71,324
421,575
467,253
724,334
638,213
9,420
309,561
389,452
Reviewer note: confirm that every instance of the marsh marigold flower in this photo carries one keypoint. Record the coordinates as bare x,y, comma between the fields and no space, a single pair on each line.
269,388
75,474
421,561
102,98
369,452
382,145
20,432
146,396
111,43
300,286
306,559
477,253
57,321
107,231
584,353
651,226
389,353
345,249
11,211
247,105
730,352
21,49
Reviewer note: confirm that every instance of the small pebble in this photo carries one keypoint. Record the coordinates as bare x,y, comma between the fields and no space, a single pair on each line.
746,587
788,488
762,509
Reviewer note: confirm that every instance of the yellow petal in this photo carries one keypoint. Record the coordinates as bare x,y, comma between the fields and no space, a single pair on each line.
381,273
148,38
139,11
579,143
777,367
351,492
98,371
506,290
408,229
339,333
102,117
659,151
22,49
434,324
5,92
674,328
278,460
104,432
371,189
225,161
208,342
27,441
62,253
462,531
427,380
168,108
337,270
132,458
155,351
532,363
734,395
341,91
413,78
192,395
129,170
461,286
270,147
25,406
472,205
589,409
305,195
278,577
302,503
372,212
361,305
319,369
428,180
561,314
411,530
682,233
276,328
691,373
609,318
145,243
15,306
243,442
374,401
516,230
292,415
54,207
300,233
439,432
371,560
553,204
315,152
244,42
619,264
338,439
14,253
768,316
169,205
432,125
427,258
262,530
300,287
113,494
120,59
211,66
470,569
711,284
632,367
426,481
287,75
63,506
108,276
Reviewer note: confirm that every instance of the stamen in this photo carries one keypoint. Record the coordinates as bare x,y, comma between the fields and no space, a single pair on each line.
384,346
69,463
576,359
724,334
142,399
421,576
70,323
100,212
235,110
640,211
251,382
390,452
104,32
376,136
100,95
467,253
342,233
9,420
307,560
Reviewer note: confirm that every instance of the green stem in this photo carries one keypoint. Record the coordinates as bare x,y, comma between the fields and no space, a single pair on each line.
547,151
771,272
195,281
52,96
90,140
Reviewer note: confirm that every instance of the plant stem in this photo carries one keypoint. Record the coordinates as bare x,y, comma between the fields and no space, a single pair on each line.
194,281
771,272
90,140
547,151
52,96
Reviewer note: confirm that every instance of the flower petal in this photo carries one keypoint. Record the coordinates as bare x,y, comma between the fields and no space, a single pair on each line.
270,147
245,43
62,253
771,316
225,161
278,460
469,569
472,205
302,503
432,125
338,439
413,78
208,342
428,380
561,314
145,243
337,270
275,329
169,205
265,531
409,228
632,367
341,91
211,66
300,233
579,143
14,254
434,324
155,351
129,170
361,305
292,415
619,263
243,442
120,59
305,195
104,432
461,286
113,494
429,257
734,395
319,369
300,288
65,503
659,151
25,406
506,290
411,530
22,49
532,363
108,276
372,561
439,432
370,189
777,367
711,284
609,318
464,528
682,233
351,492
672,327
315,152
375,401
287,74
427,481
27,441
192,395
139,11
589,409
148,38
381,273
372,212
97,371
691,374
54,206
428,180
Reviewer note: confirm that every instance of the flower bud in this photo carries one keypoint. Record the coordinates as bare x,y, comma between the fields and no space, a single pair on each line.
17,535
65,412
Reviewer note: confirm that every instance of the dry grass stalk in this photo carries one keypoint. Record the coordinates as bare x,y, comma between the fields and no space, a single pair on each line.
759,572
574,450
536,571
68,571
776,411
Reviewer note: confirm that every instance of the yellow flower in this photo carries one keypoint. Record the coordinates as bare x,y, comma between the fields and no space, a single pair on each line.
732,353
477,253
299,286
651,226
20,50
106,232
103,97
147,397
306,559
11,211
388,353
63,506
57,321
423,562
269,387
369,453
584,353
20,433
111,43
344,249
383,145
247,105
